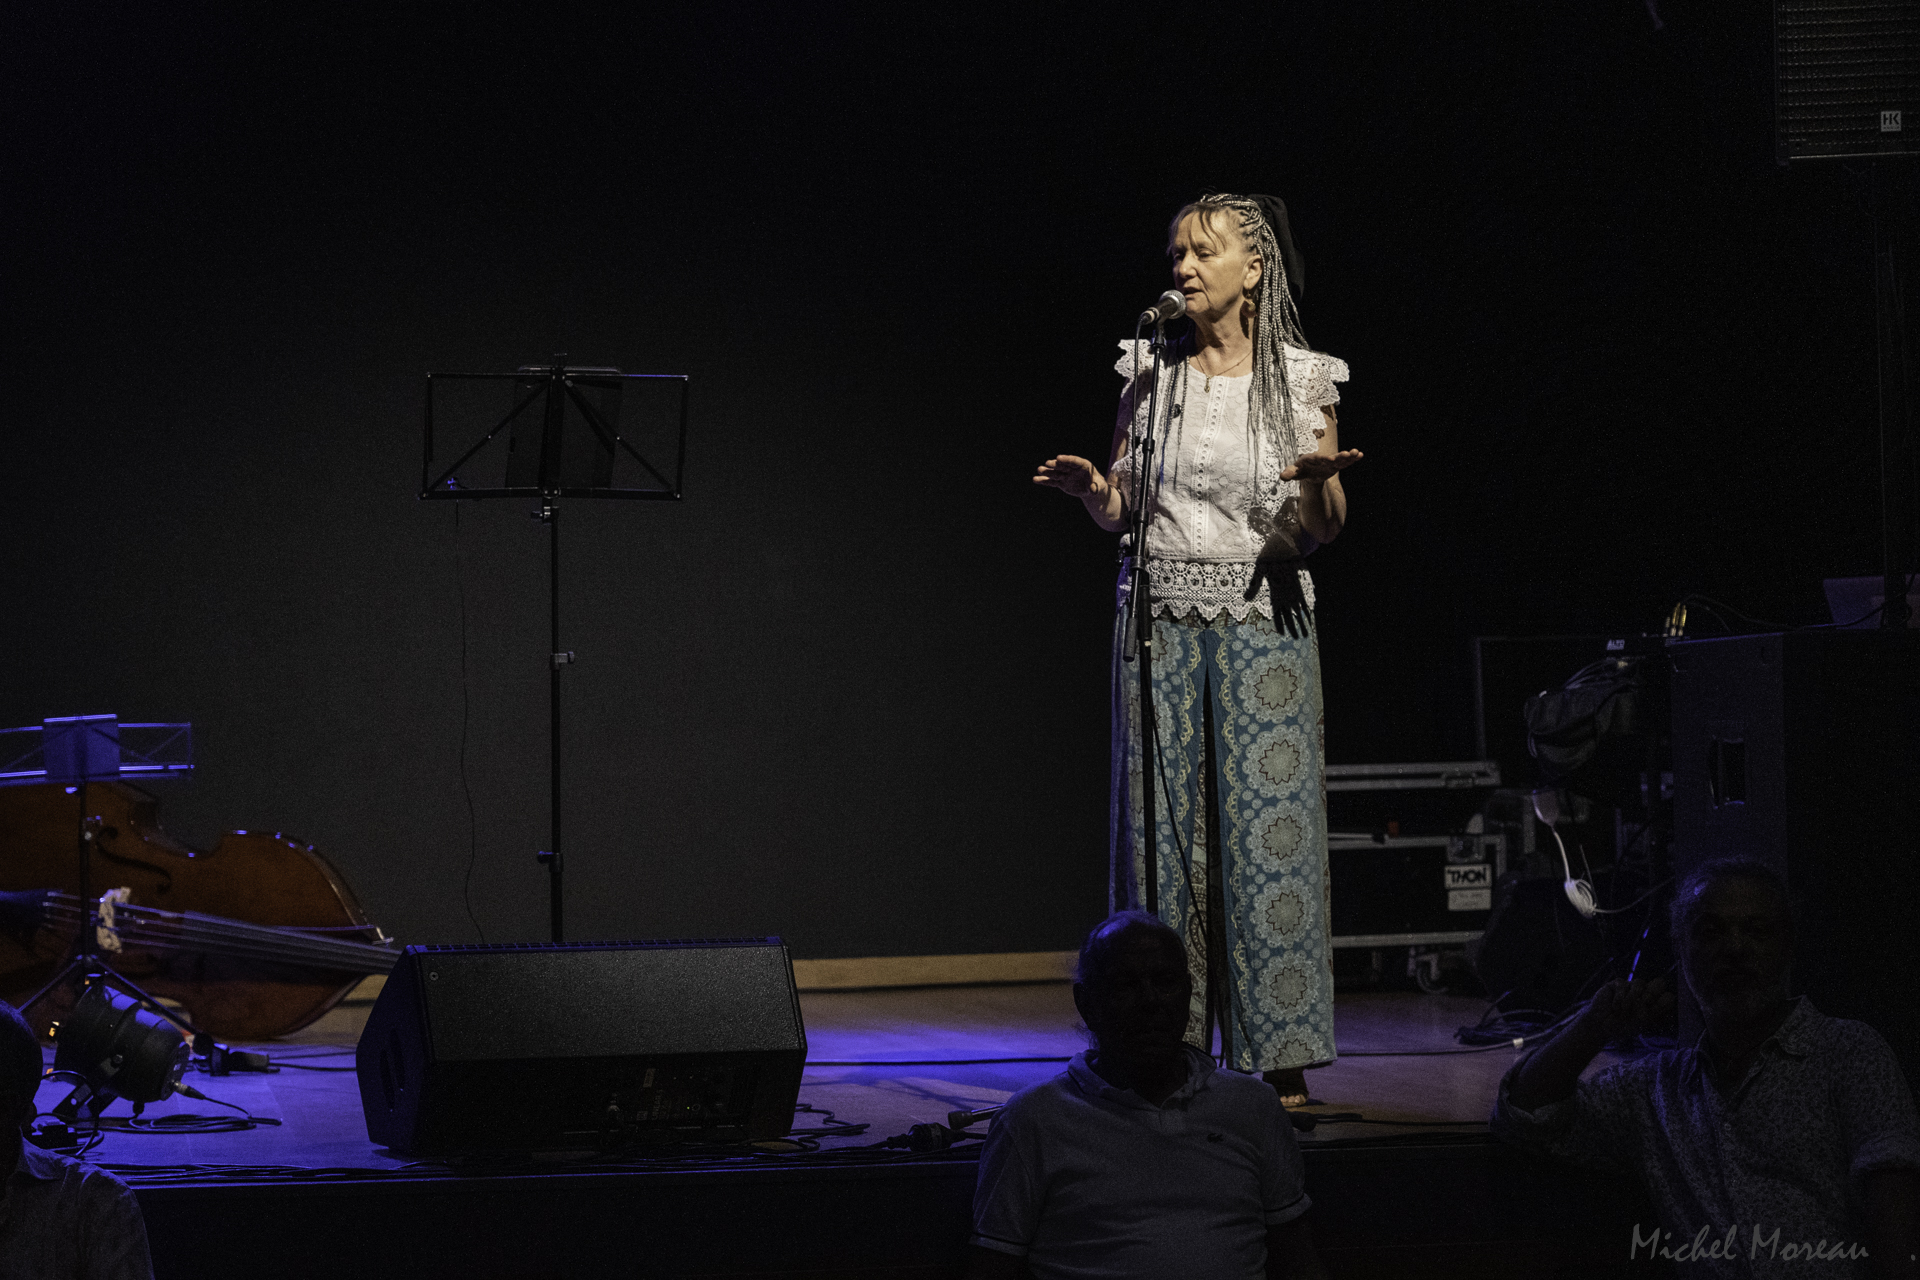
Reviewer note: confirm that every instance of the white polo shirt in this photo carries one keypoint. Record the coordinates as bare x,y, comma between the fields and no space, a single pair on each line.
1085,1180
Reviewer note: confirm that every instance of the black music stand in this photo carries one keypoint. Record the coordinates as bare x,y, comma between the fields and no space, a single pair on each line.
563,441
77,751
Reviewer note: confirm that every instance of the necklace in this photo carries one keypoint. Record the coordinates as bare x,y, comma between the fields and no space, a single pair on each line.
1208,388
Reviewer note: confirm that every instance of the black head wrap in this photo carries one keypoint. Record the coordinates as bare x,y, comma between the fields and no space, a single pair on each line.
1274,210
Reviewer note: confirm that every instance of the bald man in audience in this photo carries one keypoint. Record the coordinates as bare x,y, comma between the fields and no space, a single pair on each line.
1142,1159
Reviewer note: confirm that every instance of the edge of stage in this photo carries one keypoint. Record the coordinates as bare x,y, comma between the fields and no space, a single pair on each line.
1423,1189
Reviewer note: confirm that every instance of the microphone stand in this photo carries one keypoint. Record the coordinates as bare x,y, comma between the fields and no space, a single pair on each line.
1138,645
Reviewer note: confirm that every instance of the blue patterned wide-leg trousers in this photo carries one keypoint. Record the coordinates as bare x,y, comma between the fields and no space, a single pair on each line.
1242,829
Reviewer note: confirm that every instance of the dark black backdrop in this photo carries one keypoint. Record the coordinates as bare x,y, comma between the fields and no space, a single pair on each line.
853,688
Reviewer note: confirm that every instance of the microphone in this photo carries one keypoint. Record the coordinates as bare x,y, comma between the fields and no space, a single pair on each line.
1172,303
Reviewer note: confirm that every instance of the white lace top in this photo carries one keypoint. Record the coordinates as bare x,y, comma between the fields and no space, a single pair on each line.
1219,503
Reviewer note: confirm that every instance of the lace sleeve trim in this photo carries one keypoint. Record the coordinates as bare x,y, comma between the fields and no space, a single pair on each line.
1123,469
1124,365
1313,374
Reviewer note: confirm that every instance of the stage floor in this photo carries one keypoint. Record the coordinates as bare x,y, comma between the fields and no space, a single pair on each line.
921,1040
1422,1190
886,1058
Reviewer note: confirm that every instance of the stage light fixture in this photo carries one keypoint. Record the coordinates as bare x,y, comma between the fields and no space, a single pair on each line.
116,1049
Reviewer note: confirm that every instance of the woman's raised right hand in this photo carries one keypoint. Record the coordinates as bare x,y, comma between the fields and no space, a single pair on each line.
1075,476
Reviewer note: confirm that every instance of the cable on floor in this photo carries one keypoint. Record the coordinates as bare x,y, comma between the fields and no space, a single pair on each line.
829,1127
187,1121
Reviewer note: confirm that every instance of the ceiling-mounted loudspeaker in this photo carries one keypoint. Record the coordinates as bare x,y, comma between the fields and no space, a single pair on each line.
1846,79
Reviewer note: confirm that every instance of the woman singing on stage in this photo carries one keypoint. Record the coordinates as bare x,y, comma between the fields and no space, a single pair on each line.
1244,483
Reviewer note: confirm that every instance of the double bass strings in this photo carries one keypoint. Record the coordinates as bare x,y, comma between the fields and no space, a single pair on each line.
223,925
283,949
192,930
217,935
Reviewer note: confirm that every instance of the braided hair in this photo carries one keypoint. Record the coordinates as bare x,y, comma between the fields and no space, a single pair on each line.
1262,224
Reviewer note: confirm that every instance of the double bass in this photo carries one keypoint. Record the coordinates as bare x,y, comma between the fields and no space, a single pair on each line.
254,938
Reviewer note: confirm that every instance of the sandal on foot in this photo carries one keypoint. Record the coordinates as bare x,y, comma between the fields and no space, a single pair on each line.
1290,1083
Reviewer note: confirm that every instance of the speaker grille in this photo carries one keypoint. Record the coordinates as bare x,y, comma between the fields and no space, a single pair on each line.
1846,78
530,1048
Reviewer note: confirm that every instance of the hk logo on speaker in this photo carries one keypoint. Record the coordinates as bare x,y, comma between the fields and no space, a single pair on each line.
1890,122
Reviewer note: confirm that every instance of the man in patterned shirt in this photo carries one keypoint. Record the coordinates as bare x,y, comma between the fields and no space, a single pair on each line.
59,1218
1785,1143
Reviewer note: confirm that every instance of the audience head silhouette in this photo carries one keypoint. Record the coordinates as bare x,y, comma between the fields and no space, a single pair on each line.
20,1067
1732,927
1134,989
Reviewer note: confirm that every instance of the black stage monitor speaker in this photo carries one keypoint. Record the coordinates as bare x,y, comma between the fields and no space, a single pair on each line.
570,1046
1846,75
1801,749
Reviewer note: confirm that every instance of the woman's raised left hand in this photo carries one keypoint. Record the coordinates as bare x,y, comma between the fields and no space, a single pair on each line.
1321,466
